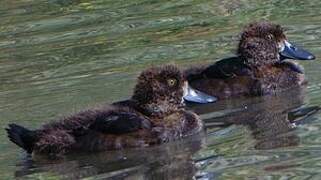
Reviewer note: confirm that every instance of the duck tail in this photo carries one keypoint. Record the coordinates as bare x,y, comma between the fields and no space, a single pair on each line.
22,137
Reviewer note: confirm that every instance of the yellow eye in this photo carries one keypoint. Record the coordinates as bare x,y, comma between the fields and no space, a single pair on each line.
171,82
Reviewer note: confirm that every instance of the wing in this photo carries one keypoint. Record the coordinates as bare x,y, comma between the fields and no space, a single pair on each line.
227,68
120,123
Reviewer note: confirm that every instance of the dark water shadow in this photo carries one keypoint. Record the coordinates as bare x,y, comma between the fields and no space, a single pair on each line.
270,119
167,161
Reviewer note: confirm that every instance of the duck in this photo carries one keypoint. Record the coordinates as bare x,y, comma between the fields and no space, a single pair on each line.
153,115
259,68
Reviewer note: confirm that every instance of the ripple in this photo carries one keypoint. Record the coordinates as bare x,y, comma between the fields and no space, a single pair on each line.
60,56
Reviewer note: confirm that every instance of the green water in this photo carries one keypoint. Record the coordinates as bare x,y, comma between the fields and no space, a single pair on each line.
60,56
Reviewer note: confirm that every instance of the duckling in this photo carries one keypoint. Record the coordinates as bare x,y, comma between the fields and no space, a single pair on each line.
258,69
154,114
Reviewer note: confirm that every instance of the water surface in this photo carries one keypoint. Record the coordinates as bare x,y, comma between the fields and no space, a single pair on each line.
60,56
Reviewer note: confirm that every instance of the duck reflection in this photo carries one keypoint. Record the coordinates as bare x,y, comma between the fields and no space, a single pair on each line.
168,161
270,119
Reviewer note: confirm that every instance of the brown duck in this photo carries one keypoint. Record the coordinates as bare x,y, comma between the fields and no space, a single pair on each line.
258,69
154,114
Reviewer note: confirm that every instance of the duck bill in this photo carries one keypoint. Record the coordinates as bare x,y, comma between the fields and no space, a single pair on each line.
292,52
195,96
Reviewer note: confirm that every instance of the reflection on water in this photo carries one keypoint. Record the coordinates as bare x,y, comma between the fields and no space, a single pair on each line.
270,123
270,119
171,161
60,56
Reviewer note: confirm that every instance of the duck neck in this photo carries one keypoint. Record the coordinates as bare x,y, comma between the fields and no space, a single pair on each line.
259,60
157,109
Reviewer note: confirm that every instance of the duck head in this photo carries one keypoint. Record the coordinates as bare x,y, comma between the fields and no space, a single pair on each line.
160,90
265,43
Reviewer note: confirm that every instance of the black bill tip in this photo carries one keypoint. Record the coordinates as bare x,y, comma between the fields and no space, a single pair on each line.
311,57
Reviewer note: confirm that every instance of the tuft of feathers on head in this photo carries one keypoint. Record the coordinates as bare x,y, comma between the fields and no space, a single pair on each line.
265,30
159,72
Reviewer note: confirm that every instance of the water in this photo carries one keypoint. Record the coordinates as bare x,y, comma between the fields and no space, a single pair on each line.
60,56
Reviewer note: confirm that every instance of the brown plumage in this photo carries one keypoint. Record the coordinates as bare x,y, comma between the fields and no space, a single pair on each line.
155,114
258,68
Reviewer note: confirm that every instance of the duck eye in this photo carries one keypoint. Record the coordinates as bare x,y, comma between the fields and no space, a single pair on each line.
171,82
